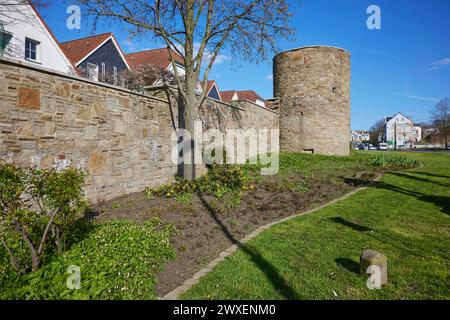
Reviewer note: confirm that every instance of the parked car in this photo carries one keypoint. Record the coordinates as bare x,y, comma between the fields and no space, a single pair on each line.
383,146
372,147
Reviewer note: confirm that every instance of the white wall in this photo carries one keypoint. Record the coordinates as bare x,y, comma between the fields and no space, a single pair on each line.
24,23
404,130
180,70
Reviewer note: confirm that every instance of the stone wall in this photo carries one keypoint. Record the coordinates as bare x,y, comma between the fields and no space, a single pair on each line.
119,138
313,84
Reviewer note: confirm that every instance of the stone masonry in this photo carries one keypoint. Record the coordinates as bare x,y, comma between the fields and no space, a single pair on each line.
313,85
119,138
122,139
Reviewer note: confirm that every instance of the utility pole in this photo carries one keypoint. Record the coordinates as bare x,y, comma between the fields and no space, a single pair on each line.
395,135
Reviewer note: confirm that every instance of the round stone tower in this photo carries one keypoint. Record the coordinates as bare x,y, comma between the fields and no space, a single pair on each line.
313,85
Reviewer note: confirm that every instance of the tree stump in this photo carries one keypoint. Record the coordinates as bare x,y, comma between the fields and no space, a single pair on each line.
371,257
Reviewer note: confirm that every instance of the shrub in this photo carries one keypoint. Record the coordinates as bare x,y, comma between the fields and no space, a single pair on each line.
219,180
117,259
38,205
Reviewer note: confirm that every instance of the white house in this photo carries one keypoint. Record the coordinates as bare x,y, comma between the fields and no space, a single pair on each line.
401,131
25,36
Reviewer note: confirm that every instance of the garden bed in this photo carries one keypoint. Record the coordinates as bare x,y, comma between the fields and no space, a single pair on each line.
207,225
143,245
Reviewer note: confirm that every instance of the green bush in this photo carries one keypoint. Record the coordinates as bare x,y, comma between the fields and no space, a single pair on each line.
219,180
117,260
37,206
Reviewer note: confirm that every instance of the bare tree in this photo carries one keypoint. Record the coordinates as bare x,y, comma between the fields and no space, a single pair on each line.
377,132
9,7
441,118
198,30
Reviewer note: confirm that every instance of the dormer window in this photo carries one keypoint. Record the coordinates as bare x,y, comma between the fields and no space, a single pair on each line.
31,50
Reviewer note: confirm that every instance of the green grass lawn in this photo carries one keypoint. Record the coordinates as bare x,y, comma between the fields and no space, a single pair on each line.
405,216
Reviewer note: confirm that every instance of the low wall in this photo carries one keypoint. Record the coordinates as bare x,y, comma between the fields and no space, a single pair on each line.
119,138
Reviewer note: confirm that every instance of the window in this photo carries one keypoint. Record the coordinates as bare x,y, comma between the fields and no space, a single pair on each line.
31,49
115,75
5,40
92,71
103,69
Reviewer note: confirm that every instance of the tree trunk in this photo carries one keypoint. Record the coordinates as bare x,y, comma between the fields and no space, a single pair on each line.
190,112
35,258
190,101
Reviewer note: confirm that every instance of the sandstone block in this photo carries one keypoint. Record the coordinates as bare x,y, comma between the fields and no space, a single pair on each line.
29,98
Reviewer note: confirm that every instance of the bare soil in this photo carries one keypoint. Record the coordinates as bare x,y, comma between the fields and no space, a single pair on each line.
206,225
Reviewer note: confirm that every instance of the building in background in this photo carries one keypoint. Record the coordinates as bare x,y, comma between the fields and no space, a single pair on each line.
212,89
250,95
157,58
98,57
359,136
24,36
401,132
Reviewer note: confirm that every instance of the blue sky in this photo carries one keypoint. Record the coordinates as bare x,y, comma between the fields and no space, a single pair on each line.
404,67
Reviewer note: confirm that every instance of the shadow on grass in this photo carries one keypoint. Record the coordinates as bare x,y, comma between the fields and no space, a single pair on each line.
412,176
348,264
272,274
431,174
405,244
349,224
440,201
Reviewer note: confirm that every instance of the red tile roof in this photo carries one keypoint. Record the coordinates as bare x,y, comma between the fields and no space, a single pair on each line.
249,95
77,49
227,95
157,57
209,85
242,95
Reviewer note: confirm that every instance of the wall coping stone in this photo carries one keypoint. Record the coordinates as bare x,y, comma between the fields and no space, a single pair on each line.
312,47
22,64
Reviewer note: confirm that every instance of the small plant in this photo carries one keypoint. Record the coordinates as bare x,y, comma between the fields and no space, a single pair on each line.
184,198
233,222
115,205
301,188
38,205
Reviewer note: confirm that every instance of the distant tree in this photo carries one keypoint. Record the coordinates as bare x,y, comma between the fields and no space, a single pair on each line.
440,116
9,7
199,30
376,132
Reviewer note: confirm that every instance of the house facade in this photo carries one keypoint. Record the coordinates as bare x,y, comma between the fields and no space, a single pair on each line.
24,36
401,132
98,57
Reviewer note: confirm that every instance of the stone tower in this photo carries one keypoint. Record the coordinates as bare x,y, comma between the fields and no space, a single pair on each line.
313,85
